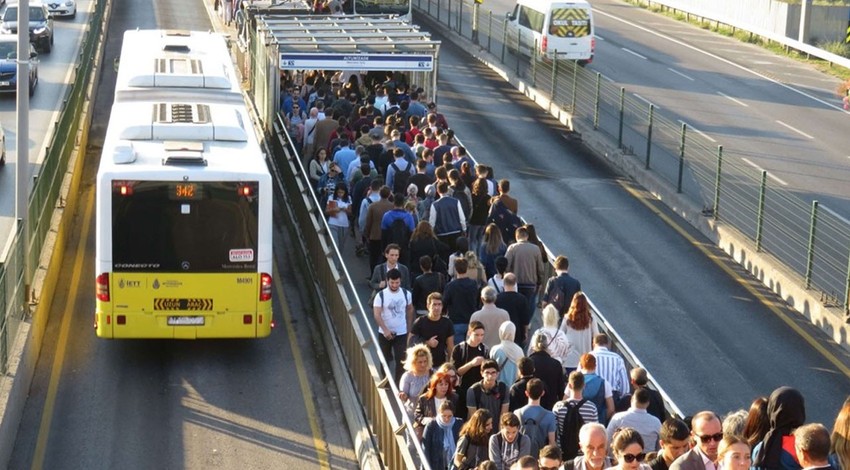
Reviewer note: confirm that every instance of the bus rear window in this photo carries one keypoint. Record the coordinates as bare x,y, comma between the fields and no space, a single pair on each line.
162,226
570,22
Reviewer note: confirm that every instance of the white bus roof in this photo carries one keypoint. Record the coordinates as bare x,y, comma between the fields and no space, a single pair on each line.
169,140
175,59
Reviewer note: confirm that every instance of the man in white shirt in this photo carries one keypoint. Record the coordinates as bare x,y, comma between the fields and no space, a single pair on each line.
637,417
393,310
610,366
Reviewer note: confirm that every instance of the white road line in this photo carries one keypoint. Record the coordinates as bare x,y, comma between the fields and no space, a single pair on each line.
717,57
599,37
607,78
734,100
691,128
679,73
650,102
633,53
795,130
769,174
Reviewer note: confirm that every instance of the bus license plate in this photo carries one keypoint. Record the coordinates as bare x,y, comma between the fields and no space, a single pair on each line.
186,321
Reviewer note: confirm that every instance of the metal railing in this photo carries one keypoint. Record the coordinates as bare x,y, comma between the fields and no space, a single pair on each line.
18,268
810,239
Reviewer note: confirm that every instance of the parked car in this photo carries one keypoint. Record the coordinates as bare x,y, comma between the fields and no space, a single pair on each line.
40,25
62,8
9,69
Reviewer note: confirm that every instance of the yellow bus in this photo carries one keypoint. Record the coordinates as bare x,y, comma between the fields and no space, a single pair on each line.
184,197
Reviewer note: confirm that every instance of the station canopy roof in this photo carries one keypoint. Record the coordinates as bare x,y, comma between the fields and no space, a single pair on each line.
345,34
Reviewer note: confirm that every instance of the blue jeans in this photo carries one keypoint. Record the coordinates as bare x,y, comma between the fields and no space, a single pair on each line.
460,333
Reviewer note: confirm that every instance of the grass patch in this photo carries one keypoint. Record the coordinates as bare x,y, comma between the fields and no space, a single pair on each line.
835,47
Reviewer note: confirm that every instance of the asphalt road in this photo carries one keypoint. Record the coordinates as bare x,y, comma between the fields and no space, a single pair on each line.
98,403
711,343
53,74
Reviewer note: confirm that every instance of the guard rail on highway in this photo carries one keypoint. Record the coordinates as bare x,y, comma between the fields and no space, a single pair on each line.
21,259
810,239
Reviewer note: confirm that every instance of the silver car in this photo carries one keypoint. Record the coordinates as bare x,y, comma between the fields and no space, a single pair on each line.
62,8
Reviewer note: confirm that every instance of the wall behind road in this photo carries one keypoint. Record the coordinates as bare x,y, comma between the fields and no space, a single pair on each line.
828,23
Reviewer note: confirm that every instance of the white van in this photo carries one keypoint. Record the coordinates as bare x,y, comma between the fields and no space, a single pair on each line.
565,26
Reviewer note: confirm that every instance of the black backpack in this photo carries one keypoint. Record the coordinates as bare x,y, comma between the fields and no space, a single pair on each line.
401,178
558,296
531,428
506,220
399,233
573,421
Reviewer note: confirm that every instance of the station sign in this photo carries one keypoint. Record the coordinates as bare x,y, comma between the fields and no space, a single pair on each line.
322,61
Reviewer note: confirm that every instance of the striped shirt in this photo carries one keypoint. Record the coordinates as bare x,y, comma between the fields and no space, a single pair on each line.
610,366
587,412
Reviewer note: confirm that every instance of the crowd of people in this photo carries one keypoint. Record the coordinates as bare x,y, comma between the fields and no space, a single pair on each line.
456,279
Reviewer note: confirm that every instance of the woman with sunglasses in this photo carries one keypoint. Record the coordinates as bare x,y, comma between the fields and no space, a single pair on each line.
627,447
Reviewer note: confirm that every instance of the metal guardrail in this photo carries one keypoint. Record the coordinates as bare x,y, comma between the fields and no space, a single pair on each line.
809,239
689,9
372,377
18,269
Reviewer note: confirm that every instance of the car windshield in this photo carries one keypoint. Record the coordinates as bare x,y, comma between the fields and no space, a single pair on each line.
11,14
8,50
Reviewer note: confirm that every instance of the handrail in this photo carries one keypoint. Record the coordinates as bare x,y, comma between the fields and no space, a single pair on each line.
793,43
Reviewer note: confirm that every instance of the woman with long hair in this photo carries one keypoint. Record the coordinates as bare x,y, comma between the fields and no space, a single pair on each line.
492,247
757,422
839,449
507,354
787,411
627,447
440,389
580,327
417,364
733,453
475,270
472,447
423,242
480,210
557,344
338,210
318,165
440,437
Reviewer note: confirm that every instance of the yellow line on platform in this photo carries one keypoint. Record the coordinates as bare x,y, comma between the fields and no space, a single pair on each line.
318,441
62,343
745,282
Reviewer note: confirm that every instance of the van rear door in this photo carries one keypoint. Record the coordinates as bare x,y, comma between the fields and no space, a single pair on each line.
570,31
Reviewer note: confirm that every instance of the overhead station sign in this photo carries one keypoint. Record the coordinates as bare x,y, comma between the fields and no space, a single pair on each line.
322,61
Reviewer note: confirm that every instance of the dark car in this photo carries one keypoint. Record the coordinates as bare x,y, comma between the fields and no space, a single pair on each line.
40,25
9,69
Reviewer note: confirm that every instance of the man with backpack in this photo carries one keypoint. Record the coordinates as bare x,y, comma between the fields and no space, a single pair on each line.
597,389
489,393
561,287
571,414
396,227
536,422
399,172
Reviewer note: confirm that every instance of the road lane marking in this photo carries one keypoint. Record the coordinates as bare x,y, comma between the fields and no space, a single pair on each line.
607,78
680,73
725,61
599,37
318,442
62,341
747,284
650,102
769,174
734,100
794,129
692,128
633,53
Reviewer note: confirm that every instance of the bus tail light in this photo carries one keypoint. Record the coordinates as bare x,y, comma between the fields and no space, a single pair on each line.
265,287
102,287
544,43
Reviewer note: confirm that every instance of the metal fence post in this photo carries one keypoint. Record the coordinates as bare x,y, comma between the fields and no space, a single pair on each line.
575,87
810,249
534,53
596,101
439,7
554,89
847,291
504,40
622,116
429,7
681,157
518,46
760,211
716,207
460,17
449,15
489,29
649,134
476,7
